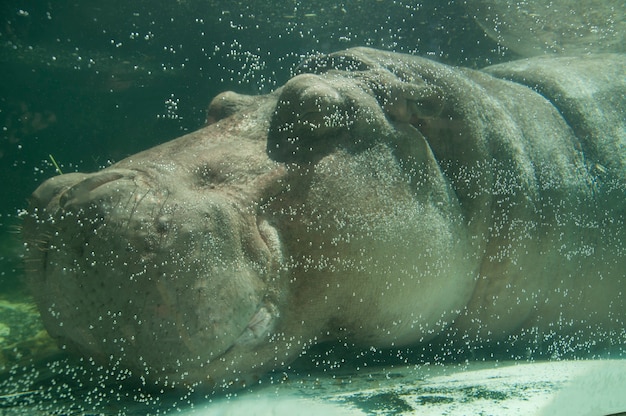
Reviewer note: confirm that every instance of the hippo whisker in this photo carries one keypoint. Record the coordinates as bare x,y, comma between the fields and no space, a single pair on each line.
136,205
162,205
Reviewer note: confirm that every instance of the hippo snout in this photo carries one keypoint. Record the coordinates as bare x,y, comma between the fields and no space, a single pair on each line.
112,194
129,266
82,191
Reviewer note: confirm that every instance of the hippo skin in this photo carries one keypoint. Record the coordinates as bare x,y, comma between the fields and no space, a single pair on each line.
380,199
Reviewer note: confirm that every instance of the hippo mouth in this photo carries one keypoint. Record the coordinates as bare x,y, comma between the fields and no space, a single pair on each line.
125,272
257,329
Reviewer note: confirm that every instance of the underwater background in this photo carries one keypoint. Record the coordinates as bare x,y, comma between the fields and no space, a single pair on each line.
85,84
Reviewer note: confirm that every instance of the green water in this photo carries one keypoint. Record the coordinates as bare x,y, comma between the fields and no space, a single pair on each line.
91,83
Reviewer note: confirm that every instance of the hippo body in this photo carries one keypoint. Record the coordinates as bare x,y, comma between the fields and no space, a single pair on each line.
377,198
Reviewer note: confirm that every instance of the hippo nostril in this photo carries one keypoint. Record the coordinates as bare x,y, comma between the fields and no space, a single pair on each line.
53,187
79,193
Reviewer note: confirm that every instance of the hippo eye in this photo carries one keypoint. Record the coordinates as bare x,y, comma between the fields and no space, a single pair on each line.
310,118
206,176
227,104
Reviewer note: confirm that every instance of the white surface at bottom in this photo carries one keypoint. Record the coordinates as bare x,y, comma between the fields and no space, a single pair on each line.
564,388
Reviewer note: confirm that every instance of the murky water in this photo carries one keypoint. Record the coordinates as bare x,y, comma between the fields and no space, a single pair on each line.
87,85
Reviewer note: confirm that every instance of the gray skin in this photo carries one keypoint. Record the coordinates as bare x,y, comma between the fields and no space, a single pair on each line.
377,198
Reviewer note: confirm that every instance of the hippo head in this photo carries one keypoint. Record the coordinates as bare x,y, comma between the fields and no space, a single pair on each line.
222,254
165,258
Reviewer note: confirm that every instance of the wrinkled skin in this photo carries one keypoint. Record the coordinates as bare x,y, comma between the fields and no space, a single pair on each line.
377,198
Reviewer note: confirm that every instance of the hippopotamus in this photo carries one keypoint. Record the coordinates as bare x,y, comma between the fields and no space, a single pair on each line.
380,199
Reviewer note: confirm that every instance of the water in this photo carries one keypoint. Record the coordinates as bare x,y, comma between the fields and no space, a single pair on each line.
86,85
